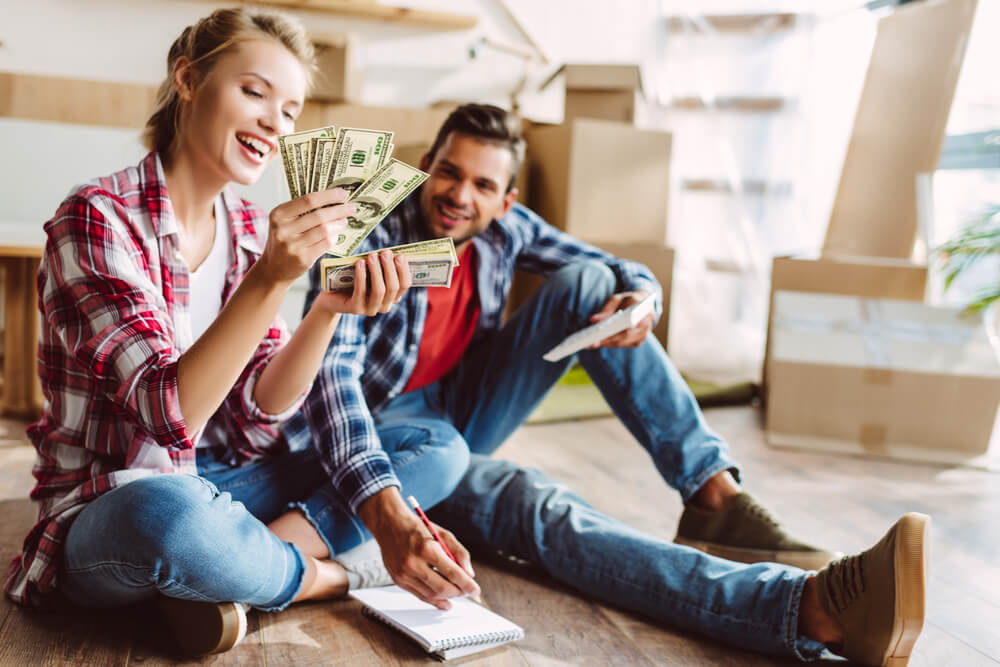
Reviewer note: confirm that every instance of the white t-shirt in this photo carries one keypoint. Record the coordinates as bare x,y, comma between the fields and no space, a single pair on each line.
209,279
206,286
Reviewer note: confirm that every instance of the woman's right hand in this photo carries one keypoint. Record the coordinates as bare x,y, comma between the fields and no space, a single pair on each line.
301,230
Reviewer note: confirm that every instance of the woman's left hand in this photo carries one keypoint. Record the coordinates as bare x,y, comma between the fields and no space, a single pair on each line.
380,281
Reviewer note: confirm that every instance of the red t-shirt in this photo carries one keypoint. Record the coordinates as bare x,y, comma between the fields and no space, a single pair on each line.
452,315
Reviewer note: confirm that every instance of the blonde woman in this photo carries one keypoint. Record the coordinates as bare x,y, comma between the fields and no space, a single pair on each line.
161,473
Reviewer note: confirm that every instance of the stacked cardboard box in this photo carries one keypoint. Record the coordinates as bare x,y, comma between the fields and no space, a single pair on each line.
601,180
860,389
337,78
608,92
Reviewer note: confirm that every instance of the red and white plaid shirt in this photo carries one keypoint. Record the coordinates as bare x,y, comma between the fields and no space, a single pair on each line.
113,292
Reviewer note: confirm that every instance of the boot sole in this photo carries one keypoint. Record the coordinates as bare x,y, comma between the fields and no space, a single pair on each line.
910,560
805,560
202,628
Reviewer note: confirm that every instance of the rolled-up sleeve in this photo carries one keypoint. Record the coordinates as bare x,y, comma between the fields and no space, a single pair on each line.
341,423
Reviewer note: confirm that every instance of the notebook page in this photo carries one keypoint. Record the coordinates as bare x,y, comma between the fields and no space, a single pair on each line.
436,628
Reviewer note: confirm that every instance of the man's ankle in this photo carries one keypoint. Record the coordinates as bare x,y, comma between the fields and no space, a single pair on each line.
814,622
717,493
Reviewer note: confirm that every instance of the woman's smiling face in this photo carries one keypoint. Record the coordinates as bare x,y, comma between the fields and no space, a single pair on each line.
253,93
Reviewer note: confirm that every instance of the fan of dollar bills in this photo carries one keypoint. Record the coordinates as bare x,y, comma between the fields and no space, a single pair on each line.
359,161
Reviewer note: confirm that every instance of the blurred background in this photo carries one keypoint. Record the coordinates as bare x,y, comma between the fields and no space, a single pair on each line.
703,138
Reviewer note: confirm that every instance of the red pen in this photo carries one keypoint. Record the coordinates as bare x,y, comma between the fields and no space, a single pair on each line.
427,522
437,538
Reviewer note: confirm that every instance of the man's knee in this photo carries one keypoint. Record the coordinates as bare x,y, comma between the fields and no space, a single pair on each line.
452,461
585,286
436,449
537,497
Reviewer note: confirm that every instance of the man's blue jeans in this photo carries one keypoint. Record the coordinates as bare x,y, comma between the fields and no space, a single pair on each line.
205,537
522,513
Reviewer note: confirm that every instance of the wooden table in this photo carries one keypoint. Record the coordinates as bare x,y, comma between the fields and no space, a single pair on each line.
20,254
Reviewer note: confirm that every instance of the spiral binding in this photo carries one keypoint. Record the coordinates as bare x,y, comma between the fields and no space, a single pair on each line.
477,640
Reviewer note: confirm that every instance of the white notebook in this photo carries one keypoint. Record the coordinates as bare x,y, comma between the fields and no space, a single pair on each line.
598,331
465,628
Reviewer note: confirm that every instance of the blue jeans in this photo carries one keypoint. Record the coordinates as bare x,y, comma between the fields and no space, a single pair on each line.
520,512
205,537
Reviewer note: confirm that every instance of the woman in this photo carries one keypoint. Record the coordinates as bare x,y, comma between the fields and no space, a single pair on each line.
162,352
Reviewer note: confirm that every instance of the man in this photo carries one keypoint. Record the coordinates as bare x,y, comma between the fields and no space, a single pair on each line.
441,366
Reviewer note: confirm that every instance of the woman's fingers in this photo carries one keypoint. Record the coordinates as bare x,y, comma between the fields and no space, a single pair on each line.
376,284
310,202
360,297
391,276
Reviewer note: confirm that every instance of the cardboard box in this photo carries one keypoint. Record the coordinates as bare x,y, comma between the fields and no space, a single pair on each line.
899,127
600,180
869,277
880,377
658,258
606,92
337,76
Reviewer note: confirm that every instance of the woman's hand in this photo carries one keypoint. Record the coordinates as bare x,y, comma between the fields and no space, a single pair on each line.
301,230
380,281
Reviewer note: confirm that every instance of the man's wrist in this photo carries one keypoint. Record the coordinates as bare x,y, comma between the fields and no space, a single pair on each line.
386,507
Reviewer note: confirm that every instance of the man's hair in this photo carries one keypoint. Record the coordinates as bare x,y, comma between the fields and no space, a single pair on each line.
488,124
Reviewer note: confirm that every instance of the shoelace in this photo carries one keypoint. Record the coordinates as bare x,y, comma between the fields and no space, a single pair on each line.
845,581
761,512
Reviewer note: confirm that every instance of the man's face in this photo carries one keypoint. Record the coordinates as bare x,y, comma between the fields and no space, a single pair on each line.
467,187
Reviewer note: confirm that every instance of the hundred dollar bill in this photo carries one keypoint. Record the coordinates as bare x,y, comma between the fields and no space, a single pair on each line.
374,200
359,154
442,247
322,150
433,250
424,271
295,157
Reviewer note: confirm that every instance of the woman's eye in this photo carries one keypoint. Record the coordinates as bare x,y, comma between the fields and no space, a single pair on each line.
289,116
251,92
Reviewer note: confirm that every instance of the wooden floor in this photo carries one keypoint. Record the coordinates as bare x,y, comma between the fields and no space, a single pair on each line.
845,503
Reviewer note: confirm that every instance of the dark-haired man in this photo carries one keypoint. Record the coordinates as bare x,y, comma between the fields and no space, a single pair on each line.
442,366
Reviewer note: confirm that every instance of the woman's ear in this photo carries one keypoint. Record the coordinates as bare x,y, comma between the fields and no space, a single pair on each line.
183,78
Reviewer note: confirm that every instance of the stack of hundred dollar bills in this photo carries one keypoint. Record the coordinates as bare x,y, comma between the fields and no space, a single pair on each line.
359,161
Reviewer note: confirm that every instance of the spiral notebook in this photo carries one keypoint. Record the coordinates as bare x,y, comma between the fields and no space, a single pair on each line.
465,628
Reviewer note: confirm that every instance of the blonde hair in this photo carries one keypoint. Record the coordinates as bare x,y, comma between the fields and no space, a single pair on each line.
203,43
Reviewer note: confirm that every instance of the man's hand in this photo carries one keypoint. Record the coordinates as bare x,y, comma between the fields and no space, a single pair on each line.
416,562
631,337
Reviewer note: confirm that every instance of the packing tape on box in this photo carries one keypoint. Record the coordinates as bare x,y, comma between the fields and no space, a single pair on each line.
876,332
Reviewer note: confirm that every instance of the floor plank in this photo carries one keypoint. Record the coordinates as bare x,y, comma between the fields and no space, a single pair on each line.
561,628
664,646
65,637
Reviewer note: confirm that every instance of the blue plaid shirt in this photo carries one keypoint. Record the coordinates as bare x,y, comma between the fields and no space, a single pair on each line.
370,359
